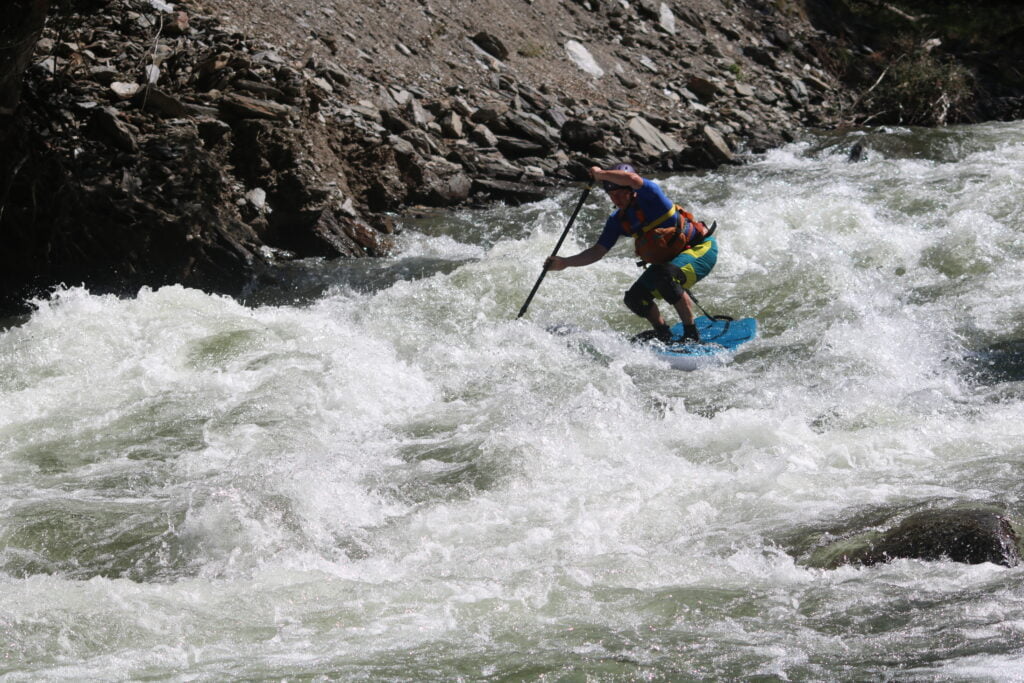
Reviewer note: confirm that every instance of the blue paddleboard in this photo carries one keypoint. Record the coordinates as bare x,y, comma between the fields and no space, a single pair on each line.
719,340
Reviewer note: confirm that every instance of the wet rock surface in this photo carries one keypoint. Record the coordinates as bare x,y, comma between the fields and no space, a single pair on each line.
968,534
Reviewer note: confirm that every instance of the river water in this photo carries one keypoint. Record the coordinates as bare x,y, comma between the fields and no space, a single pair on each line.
376,472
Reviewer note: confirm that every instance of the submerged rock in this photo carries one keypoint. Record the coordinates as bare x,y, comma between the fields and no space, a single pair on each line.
857,152
962,534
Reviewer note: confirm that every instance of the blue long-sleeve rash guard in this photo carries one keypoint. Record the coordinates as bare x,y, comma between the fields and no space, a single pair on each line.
651,202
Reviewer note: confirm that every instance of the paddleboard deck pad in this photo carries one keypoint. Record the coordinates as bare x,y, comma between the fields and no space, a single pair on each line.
719,340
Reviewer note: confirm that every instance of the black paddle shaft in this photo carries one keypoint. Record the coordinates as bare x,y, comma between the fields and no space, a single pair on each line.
561,239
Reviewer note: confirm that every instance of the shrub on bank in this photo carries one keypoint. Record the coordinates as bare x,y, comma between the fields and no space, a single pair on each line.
919,87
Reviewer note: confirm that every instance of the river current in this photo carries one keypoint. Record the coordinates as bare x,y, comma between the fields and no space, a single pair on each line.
374,471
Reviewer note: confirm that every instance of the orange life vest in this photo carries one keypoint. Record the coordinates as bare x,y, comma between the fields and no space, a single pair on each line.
662,244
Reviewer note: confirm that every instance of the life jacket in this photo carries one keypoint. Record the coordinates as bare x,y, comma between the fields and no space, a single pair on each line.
662,244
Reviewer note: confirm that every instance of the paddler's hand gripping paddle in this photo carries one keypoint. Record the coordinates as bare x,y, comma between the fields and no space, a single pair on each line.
579,205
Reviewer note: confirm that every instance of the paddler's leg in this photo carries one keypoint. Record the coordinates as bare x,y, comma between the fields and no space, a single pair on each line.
640,299
665,280
684,307
670,287
687,269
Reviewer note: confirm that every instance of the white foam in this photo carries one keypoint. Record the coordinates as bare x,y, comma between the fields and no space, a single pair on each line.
412,467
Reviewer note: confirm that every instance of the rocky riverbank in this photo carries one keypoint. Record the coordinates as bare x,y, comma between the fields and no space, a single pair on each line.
203,143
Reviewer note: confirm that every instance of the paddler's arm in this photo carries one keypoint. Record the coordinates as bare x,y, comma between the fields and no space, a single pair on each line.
584,258
623,178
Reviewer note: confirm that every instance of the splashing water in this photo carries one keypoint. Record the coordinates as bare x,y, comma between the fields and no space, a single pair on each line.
377,472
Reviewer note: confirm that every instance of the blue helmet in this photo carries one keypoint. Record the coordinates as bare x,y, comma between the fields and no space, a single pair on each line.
609,186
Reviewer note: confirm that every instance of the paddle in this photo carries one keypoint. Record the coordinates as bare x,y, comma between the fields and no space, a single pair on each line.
544,271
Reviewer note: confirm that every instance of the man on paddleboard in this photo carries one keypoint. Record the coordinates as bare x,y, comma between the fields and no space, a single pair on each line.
676,249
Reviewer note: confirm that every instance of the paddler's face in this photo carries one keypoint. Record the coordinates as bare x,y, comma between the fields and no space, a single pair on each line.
621,196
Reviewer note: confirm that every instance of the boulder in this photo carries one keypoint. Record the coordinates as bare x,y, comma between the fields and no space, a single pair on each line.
715,146
482,135
422,141
580,135
243,107
645,131
491,44
508,191
856,152
394,122
436,182
107,124
325,232
531,127
151,98
260,89
703,88
451,125
517,148
972,535
582,58
666,19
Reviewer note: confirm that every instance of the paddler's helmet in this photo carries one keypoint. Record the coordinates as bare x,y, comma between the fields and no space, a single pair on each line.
609,186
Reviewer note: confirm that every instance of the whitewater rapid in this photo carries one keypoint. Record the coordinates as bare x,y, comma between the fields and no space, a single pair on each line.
375,471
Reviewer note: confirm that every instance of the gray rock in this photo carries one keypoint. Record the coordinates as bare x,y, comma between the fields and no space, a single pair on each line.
969,535
425,144
108,124
581,56
489,113
714,145
767,95
442,183
627,80
799,87
511,192
257,88
536,99
556,116
691,17
761,56
151,98
743,90
517,148
580,135
123,90
394,122
328,232
651,136
451,125
483,136
416,114
244,107
336,74
666,19
403,148
491,44
400,96
532,128
856,152
497,167
705,89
